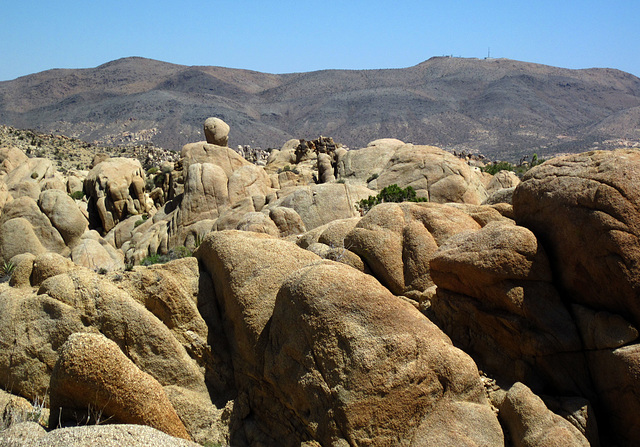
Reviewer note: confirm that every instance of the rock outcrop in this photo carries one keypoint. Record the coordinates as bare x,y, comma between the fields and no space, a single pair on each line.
92,373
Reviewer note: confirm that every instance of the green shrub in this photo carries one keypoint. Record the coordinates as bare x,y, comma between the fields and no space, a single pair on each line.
142,220
373,177
77,195
34,175
494,168
175,253
152,170
391,193
6,270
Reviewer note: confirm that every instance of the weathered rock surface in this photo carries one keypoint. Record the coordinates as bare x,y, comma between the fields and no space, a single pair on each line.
91,435
344,374
92,372
321,204
39,225
116,190
64,215
433,173
532,424
585,209
495,298
396,241
216,131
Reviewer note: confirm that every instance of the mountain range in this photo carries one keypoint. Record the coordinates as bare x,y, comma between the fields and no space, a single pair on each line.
502,108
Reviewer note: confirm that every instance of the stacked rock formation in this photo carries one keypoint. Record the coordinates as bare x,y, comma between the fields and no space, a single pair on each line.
299,321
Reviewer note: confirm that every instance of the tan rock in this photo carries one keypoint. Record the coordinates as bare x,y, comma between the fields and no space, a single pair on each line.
97,255
603,330
495,297
287,220
27,208
112,311
435,174
21,276
114,435
503,180
205,193
248,181
92,372
396,240
247,271
202,152
321,204
585,208
367,367
258,223
216,131
615,376
47,265
17,237
64,214
32,327
116,190
532,424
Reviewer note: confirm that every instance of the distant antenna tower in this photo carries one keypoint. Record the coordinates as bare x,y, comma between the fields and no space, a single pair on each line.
489,53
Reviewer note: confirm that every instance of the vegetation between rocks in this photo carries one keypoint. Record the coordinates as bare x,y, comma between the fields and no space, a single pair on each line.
391,193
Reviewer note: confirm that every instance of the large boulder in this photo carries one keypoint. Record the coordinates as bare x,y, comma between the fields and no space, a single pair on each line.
320,204
532,424
116,190
26,209
93,373
585,209
248,270
113,435
216,131
203,152
313,365
396,241
496,298
64,214
435,174
206,194
365,367
615,374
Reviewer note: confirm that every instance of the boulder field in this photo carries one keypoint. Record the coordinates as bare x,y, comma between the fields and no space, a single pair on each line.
499,312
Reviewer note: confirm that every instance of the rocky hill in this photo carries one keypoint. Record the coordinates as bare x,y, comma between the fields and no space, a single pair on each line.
502,108
215,300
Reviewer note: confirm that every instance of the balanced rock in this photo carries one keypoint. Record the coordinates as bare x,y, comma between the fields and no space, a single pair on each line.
216,131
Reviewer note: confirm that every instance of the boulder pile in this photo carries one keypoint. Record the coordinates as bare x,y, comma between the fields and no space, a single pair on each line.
216,301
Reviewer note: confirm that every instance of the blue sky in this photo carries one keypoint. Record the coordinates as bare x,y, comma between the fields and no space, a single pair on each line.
295,36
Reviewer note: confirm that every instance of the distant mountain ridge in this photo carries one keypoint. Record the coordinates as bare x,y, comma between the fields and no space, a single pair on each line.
502,108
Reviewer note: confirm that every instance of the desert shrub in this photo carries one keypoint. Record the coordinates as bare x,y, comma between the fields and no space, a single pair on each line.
373,177
391,193
34,175
175,253
152,170
77,195
494,168
142,220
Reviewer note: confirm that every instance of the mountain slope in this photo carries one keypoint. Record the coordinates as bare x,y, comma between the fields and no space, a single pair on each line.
502,108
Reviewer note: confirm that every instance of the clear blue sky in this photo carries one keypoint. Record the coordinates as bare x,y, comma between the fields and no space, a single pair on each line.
294,36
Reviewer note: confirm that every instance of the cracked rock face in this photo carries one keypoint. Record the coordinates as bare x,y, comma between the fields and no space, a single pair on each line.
585,210
116,190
